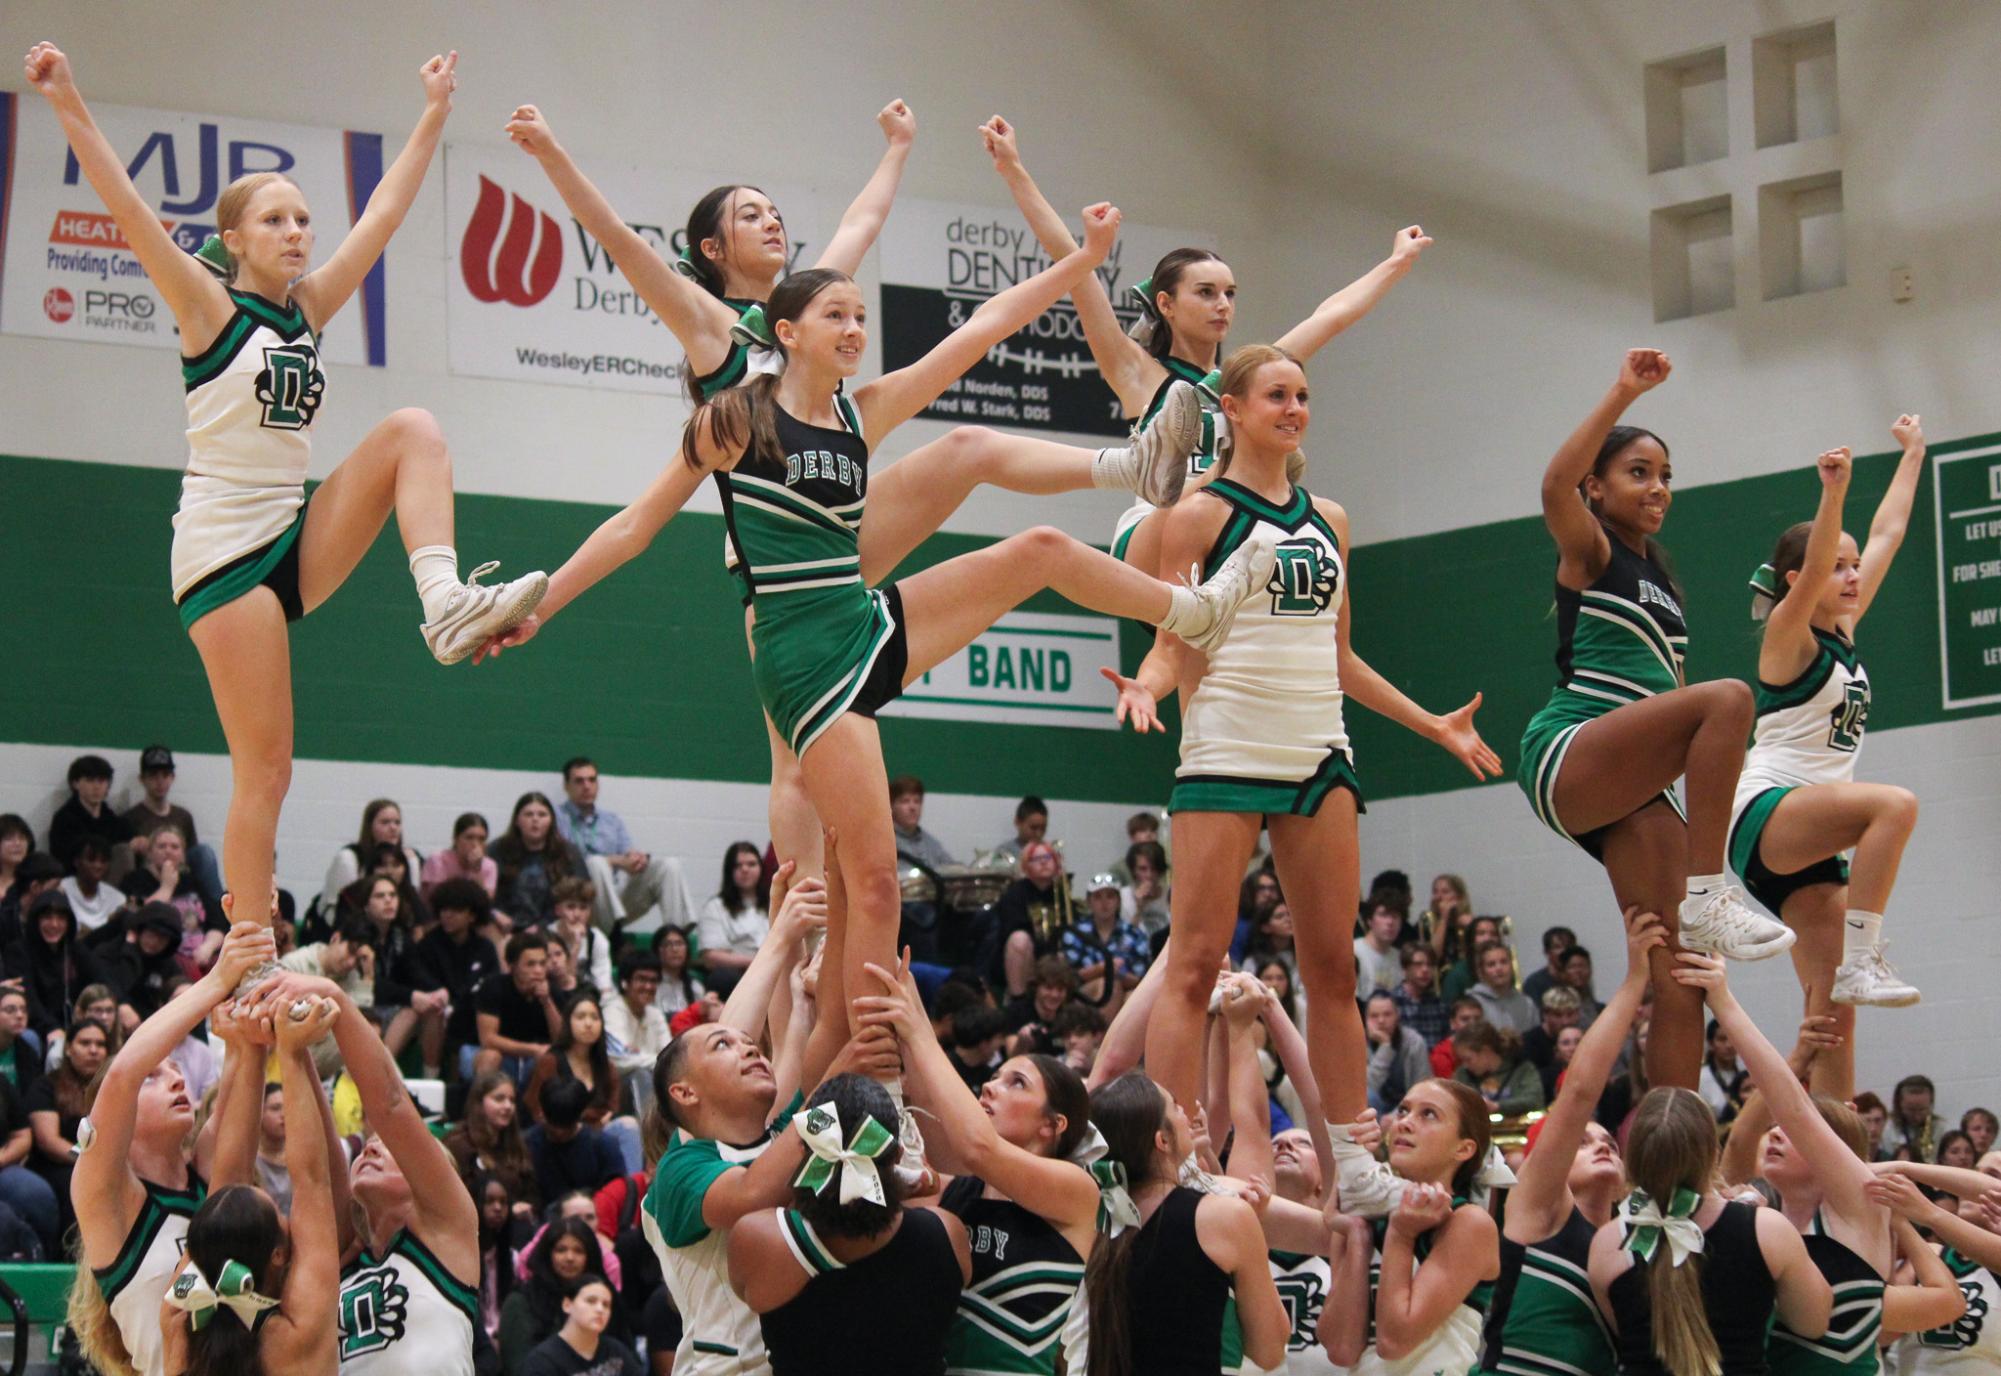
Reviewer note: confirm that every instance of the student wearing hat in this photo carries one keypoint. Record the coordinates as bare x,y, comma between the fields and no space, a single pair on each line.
1108,954
153,811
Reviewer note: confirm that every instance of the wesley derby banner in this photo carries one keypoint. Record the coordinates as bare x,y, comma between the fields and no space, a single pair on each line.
533,297
66,271
940,261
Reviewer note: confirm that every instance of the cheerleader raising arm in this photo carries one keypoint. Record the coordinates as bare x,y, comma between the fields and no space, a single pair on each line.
1542,1199
1358,298
1788,645
1583,547
1053,1187
200,305
895,397
1893,513
865,216
1842,1174
323,291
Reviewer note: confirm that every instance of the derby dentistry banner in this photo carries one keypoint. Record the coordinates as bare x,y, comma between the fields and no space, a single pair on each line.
941,260
533,297
66,271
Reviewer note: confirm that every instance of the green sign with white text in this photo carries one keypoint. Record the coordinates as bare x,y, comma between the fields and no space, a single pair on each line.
1967,493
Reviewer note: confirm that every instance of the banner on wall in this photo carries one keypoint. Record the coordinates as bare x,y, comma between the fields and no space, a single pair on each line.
532,297
66,271
1967,489
941,260
1028,669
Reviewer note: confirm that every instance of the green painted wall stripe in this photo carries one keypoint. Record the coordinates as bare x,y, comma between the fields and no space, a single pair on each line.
650,673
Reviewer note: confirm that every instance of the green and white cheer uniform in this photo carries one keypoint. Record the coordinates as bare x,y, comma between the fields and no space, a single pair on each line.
134,1284
1621,640
404,1314
252,396
1215,431
1809,731
1263,730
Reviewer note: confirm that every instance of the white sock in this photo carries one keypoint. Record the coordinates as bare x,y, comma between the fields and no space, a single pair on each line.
1860,934
1112,468
895,1088
1341,1140
1703,885
1183,611
436,569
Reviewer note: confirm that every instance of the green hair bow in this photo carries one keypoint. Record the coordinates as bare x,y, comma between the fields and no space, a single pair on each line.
752,330
855,1162
684,263
1646,1226
1116,1210
216,258
233,1289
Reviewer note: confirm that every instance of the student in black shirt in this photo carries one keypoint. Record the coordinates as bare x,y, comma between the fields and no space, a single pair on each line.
568,1154
86,813
516,1016
580,1345
21,1189
20,1058
454,958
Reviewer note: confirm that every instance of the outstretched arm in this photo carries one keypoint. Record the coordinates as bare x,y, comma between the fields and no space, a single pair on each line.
865,216
304,1323
895,397
1843,1174
226,1148
323,291
1058,1190
1541,1199
1582,546
1453,733
700,322
1893,513
104,1173
1898,1193
803,910
610,547
1357,299
198,301
1788,645
1128,369
1934,1300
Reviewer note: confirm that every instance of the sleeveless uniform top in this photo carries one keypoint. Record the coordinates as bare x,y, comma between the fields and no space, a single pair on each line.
1454,1346
1810,730
252,397
1025,1273
1737,1290
1849,1345
741,363
884,1314
1623,638
136,1281
720,1336
1972,1343
1544,1320
1303,1282
796,534
1215,435
1620,640
404,1314
1177,1294
1263,731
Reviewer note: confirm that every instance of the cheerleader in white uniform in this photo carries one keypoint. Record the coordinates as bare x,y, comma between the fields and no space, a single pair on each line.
250,554
1797,807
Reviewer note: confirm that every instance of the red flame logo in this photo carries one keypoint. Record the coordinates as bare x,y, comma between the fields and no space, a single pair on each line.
508,275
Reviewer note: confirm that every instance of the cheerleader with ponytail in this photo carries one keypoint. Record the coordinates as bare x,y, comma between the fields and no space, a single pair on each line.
1688,1280
1798,807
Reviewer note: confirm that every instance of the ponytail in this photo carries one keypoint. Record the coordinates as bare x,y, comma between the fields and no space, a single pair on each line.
1150,329
1672,1148
743,417
91,1325
1130,1112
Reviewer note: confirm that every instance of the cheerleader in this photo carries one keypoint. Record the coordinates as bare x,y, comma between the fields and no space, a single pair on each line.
1816,1157
1543,1321
1264,746
1798,807
1186,306
1600,759
712,297
790,453
1028,1197
1971,1251
1687,1280
1414,1299
250,553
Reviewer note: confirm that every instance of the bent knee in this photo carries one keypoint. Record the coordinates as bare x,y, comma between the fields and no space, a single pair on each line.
414,425
265,781
1039,542
968,443
1730,696
1900,806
